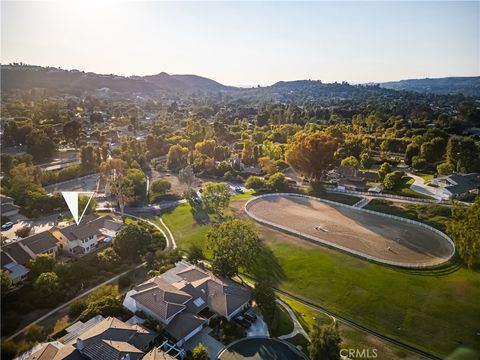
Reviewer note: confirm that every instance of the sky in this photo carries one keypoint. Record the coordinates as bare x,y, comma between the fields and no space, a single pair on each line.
248,43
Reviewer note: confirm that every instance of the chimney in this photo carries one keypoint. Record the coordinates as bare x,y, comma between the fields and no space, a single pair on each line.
80,345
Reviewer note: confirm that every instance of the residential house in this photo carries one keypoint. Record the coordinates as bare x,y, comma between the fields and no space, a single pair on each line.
16,255
108,338
349,178
456,186
178,298
8,208
84,238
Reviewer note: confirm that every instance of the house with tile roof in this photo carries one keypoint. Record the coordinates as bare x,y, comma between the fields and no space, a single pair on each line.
177,297
107,339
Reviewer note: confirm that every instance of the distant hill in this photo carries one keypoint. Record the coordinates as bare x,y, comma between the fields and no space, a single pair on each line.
167,82
27,77
468,86
201,82
56,80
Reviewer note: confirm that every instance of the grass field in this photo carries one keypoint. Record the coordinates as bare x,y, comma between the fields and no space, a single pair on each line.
433,310
432,214
341,198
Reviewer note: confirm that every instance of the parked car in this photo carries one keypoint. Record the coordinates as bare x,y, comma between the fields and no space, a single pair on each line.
242,321
250,316
238,190
7,226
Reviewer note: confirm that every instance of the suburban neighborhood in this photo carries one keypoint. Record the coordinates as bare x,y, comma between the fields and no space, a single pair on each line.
306,207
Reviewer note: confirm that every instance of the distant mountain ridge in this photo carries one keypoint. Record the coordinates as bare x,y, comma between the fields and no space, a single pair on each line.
466,85
25,77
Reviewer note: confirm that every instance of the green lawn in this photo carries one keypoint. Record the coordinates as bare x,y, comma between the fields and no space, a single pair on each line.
282,324
341,198
409,306
433,310
425,176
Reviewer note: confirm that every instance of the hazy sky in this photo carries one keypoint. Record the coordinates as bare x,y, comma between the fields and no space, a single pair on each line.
248,43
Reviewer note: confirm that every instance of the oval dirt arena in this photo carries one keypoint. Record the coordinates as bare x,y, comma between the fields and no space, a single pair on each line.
371,235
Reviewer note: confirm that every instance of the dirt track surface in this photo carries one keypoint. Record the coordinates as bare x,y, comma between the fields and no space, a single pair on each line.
383,238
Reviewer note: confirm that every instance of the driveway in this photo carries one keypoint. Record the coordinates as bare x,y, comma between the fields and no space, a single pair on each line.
420,187
213,345
37,225
258,328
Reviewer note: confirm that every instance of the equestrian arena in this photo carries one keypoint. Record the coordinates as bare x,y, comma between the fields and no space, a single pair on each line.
371,235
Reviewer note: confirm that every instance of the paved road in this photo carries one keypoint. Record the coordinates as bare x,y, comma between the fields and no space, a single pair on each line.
84,183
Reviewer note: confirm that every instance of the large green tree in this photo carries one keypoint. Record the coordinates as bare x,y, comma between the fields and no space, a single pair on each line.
464,229
234,244
177,157
131,242
264,296
311,154
216,197
324,342
47,284
41,264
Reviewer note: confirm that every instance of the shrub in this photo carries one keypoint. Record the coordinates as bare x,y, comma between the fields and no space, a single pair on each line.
255,183
124,281
76,309
23,232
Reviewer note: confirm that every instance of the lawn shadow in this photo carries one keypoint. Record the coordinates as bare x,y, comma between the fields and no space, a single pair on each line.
266,267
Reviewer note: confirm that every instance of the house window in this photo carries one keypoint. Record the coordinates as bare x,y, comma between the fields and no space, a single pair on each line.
198,302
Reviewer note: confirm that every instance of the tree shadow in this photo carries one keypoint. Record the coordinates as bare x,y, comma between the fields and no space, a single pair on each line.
199,213
266,267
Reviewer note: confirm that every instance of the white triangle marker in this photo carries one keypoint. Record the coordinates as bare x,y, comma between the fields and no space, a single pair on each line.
71,198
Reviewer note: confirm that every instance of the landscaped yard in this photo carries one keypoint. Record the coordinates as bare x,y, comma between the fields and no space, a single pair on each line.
376,296
403,189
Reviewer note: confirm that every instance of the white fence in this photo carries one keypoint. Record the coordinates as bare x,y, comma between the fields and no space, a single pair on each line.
365,193
346,249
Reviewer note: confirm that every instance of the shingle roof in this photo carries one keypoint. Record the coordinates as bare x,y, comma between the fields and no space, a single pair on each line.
9,207
47,352
5,199
183,324
465,183
89,226
223,296
111,339
163,299
17,253
40,242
